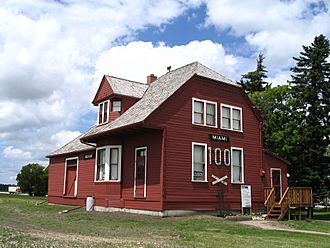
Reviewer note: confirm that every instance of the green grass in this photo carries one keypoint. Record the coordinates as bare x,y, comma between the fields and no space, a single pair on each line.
23,224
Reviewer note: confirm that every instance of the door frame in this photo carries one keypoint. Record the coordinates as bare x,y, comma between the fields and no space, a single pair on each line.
65,172
271,179
145,170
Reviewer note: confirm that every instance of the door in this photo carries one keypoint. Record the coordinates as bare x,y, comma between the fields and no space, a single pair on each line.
71,178
276,183
140,177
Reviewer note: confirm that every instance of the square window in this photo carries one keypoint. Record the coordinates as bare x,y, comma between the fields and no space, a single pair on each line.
116,106
204,113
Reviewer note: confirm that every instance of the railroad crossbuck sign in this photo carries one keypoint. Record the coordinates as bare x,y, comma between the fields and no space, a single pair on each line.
219,180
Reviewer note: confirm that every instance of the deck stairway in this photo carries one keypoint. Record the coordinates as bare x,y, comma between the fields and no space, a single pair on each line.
292,197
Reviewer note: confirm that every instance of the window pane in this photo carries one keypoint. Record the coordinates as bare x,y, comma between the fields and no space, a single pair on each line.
198,154
116,106
198,118
225,121
236,119
210,114
237,165
114,155
226,112
100,113
198,107
236,125
101,156
71,162
105,112
114,172
236,114
210,109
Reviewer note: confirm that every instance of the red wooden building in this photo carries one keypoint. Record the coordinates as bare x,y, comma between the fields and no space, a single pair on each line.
186,141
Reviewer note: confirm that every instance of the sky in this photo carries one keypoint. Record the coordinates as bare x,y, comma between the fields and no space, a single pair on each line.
53,55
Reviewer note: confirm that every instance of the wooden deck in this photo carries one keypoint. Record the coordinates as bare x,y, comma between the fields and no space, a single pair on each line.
292,197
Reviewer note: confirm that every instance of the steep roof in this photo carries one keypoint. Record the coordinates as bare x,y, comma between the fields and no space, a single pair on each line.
126,87
73,146
119,86
157,93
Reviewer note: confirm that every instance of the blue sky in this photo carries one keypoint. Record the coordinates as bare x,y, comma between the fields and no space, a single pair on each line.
53,55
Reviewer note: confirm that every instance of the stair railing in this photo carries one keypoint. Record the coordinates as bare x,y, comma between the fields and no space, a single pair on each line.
284,202
270,201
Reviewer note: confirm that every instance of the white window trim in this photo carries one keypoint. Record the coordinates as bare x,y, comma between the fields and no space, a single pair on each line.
145,170
231,166
98,111
65,172
107,163
204,119
231,117
192,162
271,179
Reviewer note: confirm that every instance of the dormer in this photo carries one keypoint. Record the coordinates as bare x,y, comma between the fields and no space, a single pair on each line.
115,95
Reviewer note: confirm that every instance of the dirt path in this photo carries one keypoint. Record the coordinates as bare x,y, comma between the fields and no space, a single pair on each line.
274,225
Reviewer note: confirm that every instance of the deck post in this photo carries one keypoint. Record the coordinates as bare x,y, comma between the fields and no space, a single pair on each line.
289,213
310,212
299,211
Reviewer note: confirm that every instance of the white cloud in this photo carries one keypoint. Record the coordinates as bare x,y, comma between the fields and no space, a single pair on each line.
16,153
277,28
64,136
137,60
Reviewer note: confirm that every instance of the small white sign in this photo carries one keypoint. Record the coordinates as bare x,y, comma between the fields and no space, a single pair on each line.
219,180
246,196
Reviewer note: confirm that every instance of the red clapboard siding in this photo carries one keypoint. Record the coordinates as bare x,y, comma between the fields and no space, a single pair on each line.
176,115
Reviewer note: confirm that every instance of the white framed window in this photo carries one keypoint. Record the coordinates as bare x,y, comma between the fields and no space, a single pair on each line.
204,113
116,106
231,118
237,165
103,116
199,162
108,163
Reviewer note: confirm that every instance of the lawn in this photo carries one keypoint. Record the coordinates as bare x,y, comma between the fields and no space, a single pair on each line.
23,224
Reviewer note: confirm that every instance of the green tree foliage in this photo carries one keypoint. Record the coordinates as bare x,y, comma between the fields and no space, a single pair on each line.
254,81
33,179
310,86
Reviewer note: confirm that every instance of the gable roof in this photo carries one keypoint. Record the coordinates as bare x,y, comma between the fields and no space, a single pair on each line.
120,86
73,146
157,93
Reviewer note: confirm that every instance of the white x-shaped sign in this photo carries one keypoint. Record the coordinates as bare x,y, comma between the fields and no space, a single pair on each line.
219,180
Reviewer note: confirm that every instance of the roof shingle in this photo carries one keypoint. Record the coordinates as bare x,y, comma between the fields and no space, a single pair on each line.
158,92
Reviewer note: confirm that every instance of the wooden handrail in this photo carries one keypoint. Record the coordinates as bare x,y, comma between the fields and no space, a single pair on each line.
284,195
269,196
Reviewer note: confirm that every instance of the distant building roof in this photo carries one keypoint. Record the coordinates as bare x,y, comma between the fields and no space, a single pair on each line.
73,146
157,93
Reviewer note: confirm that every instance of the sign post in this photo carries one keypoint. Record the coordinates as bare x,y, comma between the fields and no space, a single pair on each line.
246,197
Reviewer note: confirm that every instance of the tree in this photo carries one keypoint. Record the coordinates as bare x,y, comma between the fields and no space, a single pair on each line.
33,179
310,86
254,81
281,131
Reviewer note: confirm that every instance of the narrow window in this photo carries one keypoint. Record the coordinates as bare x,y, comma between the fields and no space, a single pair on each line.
237,120
101,157
103,112
198,112
199,162
210,114
226,118
114,163
116,106
237,165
